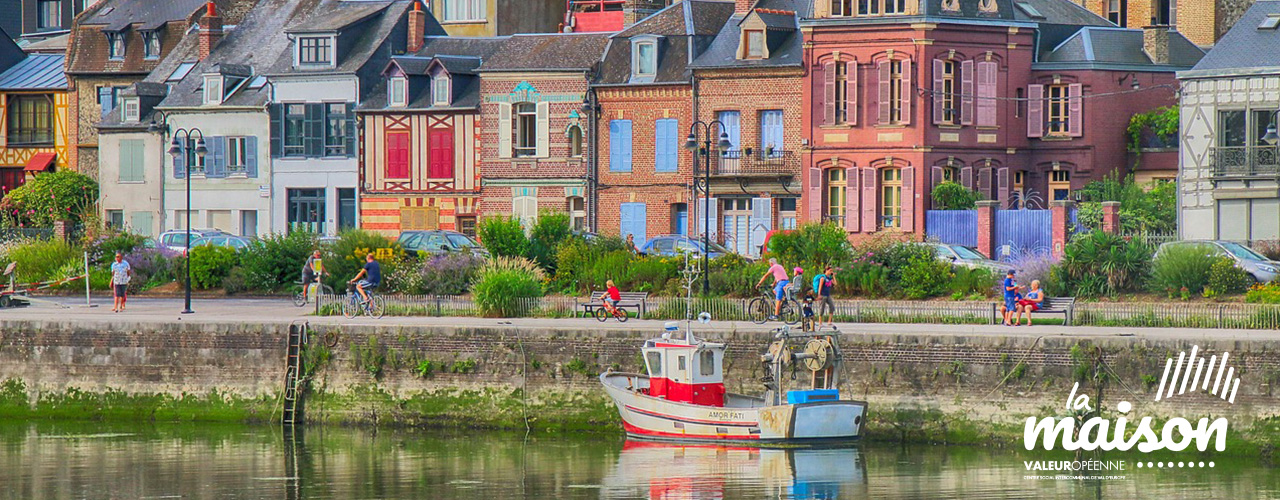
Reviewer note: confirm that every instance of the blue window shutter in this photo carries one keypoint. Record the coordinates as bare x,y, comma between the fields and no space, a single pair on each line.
180,165
732,121
351,130
620,146
633,217
215,162
277,129
313,139
666,146
251,156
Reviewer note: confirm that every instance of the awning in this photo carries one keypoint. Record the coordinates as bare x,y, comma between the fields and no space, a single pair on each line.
40,162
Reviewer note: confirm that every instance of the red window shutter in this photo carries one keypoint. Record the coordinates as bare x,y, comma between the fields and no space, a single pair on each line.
851,206
966,177
1002,186
442,154
871,213
1075,93
827,101
815,195
885,94
398,155
1035,110
937,178
938,68
908,92
987,74
851,92
966,88
908,199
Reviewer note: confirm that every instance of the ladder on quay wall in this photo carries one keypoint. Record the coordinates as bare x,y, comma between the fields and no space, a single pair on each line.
292,373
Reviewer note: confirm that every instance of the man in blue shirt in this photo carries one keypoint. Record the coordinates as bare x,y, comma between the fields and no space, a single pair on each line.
372,274
1010,298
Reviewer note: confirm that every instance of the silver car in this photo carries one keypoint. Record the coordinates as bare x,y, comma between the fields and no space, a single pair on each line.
1262,269
967,257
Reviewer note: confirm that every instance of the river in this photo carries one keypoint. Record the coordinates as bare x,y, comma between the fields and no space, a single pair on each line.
72,460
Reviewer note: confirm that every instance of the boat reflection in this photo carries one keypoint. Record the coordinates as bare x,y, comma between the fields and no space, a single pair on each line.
673,471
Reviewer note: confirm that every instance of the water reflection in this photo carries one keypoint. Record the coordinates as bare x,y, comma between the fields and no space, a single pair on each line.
668,471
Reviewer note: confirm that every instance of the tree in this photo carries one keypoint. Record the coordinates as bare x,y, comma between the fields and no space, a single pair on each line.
1143,209
951,196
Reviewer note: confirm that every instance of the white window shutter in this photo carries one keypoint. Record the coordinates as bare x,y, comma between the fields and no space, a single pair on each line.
505,131
544,130
871,210
884,82
852,210
1035,110
761,224
815,195
1075,93
966,89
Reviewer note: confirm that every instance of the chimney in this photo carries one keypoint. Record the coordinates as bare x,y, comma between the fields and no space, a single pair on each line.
210,30
417,28
743,6
1155,42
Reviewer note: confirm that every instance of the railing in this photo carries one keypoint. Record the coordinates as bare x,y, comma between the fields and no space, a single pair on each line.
1246,161
19,233
1151,240
764,163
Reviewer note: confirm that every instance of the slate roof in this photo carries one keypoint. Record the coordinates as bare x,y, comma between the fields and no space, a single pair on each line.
1057,12
87,52
686,28
48,45
36,72
548,52
1245,47
334,16
1119,46
461,57
115,15
786,44
373,25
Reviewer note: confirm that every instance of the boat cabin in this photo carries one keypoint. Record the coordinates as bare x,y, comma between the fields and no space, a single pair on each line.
686,372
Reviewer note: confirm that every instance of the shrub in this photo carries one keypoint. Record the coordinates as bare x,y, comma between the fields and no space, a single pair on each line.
1180,266
503,236
1098,263
40,260
811,246
951,196
99,277
1226,279
925,276
1151,209
506,286
654,275
1269,249
152,267
445,274
551,229
868,279
970,281
239,280
583,265
732,275
63,195
346,257
1268,293
1030,267
896,257
276,260
210,264
103,250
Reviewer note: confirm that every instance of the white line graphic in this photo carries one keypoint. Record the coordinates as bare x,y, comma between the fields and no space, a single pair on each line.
1223,388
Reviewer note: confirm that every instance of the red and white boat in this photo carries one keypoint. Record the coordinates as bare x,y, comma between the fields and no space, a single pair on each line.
683,396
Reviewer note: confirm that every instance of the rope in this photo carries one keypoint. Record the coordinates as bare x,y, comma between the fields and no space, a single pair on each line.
31,287
1025,355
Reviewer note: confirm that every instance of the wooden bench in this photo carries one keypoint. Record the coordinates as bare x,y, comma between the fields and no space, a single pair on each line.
637,301
1066,306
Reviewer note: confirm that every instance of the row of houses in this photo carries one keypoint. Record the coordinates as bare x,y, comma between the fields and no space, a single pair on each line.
329,114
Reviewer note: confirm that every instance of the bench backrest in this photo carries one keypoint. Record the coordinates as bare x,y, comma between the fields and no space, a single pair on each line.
598,295
1058,302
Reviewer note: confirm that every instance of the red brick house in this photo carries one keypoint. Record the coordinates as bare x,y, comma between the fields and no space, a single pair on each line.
1022,100
645,96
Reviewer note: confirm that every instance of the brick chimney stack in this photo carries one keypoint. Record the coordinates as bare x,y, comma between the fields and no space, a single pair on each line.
417,28
210,30
743,6
1155,42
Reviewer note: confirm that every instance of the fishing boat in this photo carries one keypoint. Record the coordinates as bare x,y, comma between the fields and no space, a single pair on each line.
683,397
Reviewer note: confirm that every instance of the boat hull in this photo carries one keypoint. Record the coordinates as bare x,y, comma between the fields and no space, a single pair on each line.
743,419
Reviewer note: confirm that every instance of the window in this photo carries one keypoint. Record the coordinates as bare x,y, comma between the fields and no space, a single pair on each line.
679,218
645,63
463,10
1059,110
895,6
315,50
1060,185
30,121
575,141
1020,188
441,153
890,197
180,72
577,213
842,93
875,7
237,155
666,145
842,8
195,162
213,89
1021,107
295,120
526,129
440,90
151,45
132,111
108,97
525,208
131,161
115,46
654,360
620,146
467,225
754,44
787,217
896,92
869,7
1116,12
399,91
115,219
49,14
836,194
305,209
1270,22
771,133
335,129
950,111
951,174
680,364
707,363
397,155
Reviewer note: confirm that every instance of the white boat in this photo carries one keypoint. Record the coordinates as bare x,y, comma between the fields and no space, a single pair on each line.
683,398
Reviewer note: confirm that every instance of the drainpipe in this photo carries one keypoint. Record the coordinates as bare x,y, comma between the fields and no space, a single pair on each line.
593,168
691,208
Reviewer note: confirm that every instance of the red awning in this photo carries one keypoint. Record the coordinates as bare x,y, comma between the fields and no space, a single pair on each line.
40,162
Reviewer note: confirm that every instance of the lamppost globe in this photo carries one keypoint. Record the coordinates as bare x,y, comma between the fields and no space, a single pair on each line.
1271,136
691,142
724,144
201,150
175,149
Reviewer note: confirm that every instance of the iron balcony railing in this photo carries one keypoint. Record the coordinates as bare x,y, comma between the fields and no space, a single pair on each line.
754,163
1246,161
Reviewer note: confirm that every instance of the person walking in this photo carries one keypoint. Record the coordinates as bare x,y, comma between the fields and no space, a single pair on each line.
121,273
631,244
780,282
822,286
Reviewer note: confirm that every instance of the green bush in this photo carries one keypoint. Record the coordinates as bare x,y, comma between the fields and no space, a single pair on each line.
240,280
211,264
925,277
1263,294
952,196
584,265
655,275
275,261
103,250
1143,209
344,259
732,276
863,278
48,197
99,277
551,229
503,236
40,260
897,256
972,281
506,286
445,274
1226,279
1097,264
811,246
1182,266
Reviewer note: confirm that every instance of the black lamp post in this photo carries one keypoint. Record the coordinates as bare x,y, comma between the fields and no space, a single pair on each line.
691,143
177,150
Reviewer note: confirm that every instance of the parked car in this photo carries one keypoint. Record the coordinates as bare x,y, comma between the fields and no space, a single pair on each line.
969,257
1262,269
671,245
439,242
176,240
223,240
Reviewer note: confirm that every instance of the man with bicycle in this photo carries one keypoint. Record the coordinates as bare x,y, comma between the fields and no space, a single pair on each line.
372,274
311,273
780,282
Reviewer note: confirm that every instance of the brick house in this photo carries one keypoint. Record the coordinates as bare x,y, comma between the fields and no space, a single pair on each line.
1201,21
533,108
1022,101
420,130
750,79
645,96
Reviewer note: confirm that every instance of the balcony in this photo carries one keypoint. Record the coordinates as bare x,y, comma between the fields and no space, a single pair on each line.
754,164
1246,162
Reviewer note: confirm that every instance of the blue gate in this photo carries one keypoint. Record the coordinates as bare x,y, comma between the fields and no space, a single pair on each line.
953,227
1023,232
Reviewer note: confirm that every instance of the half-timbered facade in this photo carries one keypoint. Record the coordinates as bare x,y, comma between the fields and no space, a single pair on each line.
33,115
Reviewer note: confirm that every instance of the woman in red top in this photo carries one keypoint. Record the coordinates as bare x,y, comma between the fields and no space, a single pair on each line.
611,297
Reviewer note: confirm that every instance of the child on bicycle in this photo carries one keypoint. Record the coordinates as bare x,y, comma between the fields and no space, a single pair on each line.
611,297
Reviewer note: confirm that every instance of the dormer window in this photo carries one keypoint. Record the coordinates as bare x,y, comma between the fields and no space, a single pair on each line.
645,63
440,90
753,44
150,44
399,91
131,110
315,50
115,46
212,89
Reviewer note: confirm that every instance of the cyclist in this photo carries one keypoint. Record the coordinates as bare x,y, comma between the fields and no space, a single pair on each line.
372,274
311,273
612,297
780,282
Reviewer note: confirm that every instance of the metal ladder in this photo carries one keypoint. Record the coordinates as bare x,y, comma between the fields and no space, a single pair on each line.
292,373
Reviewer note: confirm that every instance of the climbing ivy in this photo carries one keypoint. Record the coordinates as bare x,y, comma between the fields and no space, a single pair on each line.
1163,121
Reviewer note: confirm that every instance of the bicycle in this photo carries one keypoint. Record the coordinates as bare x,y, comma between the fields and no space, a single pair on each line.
761,308
302,298
603,313
375,307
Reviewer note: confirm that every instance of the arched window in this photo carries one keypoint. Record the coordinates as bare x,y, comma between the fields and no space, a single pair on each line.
837,185
575,141
525,129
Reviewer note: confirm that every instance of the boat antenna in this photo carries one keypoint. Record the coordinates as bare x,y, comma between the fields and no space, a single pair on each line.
690,276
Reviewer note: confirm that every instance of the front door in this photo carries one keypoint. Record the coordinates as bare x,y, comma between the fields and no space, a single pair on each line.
306,209
346,208
737,224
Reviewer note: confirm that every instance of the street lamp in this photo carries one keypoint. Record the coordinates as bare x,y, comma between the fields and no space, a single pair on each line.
177,150
691,143
1271,137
